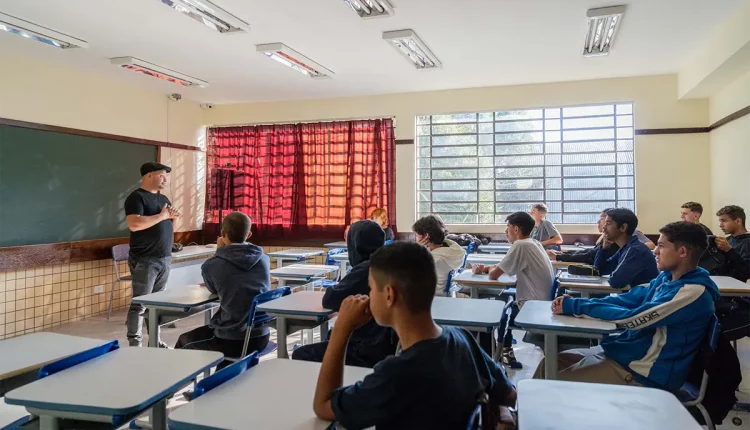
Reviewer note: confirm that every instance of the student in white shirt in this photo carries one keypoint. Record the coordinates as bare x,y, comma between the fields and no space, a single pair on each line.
527,260
448,255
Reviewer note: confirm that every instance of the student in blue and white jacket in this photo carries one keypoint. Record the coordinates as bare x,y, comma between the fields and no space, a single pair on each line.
664,323
634,263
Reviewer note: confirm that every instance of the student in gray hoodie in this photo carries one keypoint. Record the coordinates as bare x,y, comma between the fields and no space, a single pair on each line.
237,273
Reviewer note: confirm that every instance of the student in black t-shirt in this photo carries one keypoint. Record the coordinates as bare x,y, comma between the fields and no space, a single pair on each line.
149,215
436,380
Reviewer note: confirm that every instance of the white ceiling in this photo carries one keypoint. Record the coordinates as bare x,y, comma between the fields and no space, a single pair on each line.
479,42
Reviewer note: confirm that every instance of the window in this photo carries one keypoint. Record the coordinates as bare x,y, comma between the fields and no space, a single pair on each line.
476,168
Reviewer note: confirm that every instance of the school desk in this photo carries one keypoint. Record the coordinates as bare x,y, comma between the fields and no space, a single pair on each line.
492,259
586,288
301,273
567,248
483,282
343,260
335,245
185,268
730,287
297,255
480,316
495,248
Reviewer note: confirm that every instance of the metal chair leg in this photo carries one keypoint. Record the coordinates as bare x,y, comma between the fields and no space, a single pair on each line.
111,297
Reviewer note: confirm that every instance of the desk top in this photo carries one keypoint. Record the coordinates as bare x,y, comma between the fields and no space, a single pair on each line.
491,259
273,395
193,251
728,284
566,248
303,271
30,352
121,382
469,279
495,247
301,303
295,253
342,256
180,297
467,312
544,404
573,284
334,245
538,314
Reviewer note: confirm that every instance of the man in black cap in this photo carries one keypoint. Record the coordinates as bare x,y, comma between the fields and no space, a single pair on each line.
149,216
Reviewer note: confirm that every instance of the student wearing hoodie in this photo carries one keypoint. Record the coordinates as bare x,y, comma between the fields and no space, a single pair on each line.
587,256
237,273
735,248
664,323
370,343
448,255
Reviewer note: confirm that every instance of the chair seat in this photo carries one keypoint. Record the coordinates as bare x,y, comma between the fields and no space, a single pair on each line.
688,392
271,347
329,283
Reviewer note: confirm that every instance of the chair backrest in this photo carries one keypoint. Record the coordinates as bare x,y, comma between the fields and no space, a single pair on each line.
330,261
255,318
120,252
76,359
714,330
225,374
448,283
555,287
471,248
476,414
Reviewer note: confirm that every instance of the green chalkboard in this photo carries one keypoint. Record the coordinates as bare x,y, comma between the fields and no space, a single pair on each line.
57,187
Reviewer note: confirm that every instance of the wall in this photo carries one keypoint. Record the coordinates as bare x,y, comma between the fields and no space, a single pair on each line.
659,158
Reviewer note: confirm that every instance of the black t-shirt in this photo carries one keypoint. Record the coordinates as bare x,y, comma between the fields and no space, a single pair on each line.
157,240
434,384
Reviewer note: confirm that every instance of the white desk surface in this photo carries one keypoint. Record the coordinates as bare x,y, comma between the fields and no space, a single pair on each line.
495,247
187,296
342,256
544,404
30,352
303,270
467,312
566,248
728,284
10,413
118,383
295,253
603,283
301,303
486,259
334,245
194,251
273,395
467,278
536,314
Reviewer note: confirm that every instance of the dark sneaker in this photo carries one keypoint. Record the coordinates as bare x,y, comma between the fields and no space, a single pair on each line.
134,342
509,359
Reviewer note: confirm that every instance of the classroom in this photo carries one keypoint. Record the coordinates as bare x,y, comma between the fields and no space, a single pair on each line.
424,214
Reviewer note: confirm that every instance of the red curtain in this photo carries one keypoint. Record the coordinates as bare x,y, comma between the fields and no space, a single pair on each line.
302,180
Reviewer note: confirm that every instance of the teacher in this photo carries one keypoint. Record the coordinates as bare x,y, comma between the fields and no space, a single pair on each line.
149,217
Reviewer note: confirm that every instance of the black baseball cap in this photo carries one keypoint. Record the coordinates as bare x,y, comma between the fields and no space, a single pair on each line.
153,166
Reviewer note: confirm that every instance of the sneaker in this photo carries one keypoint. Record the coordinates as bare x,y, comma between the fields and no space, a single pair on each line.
509,359
163,344
134,342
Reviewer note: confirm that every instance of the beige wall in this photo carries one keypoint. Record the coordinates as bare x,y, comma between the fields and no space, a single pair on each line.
658,158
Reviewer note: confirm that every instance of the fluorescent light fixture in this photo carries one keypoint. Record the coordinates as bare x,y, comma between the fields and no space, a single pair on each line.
603,25
32,31
291,58
209,15
412,48
159,72
371,8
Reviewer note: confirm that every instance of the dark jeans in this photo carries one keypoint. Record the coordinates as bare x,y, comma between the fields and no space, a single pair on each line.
149,276
357,353
204,339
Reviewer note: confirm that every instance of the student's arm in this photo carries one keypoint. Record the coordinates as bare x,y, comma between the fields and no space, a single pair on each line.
514,260
633,264
207,281
346,287
555,238
605,263
738,259
331,375
629,300
644,239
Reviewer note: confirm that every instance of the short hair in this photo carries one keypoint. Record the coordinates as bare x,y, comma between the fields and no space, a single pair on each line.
541,207
378,213
624,216
523,221
433,226
734,212
410,269
604,211
692,236
236,226
693,207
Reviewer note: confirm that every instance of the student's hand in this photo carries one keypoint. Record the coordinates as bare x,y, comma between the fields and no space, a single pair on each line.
552,254
425,240
606,243
723,244
220,241
477,269
557,304
495,273
353,313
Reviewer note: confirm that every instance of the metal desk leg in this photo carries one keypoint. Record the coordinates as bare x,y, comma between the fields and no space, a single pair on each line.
550,356
310,336
47,422
281,338
207,315
281,283
324,331
153,327
474,292
159,416
279,262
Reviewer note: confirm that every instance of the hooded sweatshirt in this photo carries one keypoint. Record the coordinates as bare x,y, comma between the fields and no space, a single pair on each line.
664,322
634,264
448,257
363,239
237,273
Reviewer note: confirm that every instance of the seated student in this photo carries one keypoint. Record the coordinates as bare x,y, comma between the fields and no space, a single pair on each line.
587,256
691,212
435,381
371,342
644,239
380,216
544,231
237,273
734,249
448,255
633,264
527,261
664,322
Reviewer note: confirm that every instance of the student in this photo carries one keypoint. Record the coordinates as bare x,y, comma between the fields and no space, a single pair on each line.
370,343
544,231
664,322
691,212
736,247
380,216
448,255
527,261
435,381
237,273
633,264
644,239
587,256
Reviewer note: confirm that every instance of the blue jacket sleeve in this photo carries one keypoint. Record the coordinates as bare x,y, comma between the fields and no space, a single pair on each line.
605,263
629,300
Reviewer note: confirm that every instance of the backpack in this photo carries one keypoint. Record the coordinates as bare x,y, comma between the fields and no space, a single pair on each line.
734,317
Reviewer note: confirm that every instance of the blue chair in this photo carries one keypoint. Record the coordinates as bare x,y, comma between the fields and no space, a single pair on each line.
691,396
450,289
327,283
388,242
76,359
225,374
259,319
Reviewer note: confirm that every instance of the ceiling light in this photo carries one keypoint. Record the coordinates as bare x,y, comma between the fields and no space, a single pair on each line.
371,8
291,58
45,35
209,15
159,72
412,48
603,25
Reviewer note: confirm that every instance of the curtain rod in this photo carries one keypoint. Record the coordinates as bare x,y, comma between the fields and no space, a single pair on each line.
299,122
